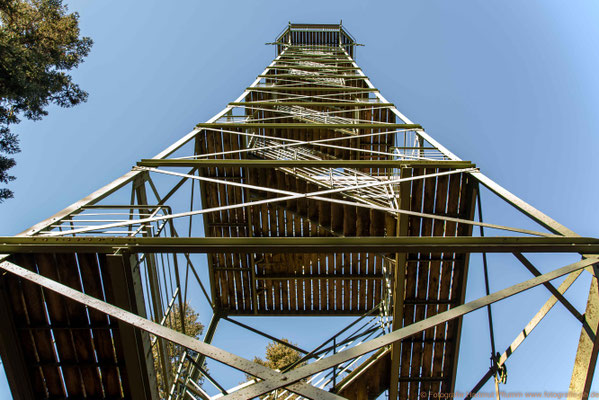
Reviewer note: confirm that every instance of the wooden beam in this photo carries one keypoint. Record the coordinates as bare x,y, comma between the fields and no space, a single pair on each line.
15,367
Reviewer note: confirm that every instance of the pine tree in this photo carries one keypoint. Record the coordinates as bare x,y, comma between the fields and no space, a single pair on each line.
279,356
193,328
39,41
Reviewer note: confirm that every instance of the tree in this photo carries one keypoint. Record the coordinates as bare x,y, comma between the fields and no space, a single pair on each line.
173,352
39,41
278,356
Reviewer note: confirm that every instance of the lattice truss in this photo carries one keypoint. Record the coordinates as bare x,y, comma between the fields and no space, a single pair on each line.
311,194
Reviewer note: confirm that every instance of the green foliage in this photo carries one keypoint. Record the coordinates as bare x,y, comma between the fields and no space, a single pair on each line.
39,40
173,352
278,356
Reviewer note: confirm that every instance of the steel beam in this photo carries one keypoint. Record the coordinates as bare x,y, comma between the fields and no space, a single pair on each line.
271,125
201,358
348,103
570,279
374,344
588,347
253,163
410,244
306,67
536,215
343,76
281,88
285,277
399,286
533,270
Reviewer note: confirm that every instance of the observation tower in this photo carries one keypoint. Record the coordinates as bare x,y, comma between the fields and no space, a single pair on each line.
308,195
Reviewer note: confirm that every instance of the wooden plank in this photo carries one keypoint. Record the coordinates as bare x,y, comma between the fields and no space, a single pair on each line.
330,284
399,227
362,221
363,285
286,264
293,263
378,284
445,281
377,228
107,358
123,289
34,306
411,280
422,285
433,283
256,230
354,283
302,209
19,347
247,260
370,285
68,274
116,333
324,268
315,284
292,259
243,291
270,179
301,258
57,311
369,380
338,282
224,230
337,218
212,193
349,220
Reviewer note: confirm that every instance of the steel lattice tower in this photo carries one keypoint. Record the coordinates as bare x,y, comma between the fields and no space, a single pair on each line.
316,197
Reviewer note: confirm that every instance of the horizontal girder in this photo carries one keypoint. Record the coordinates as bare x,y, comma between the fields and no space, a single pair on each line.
464,244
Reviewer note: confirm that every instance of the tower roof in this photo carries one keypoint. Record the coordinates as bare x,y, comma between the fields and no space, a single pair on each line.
316,35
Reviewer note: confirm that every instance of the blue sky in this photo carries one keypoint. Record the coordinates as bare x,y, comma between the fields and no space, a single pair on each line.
512,86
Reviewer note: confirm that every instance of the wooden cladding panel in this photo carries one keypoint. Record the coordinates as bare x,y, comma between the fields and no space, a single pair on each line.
71,351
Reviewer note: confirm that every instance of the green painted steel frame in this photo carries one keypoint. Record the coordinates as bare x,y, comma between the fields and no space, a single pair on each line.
570,242
251,163
270,125
459,244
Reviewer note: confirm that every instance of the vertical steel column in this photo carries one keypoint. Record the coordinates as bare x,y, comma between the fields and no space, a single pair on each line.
200,358
139,185
399,284
126,286
588,346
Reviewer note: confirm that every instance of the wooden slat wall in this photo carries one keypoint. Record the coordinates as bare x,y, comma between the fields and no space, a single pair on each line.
71,352
28,308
